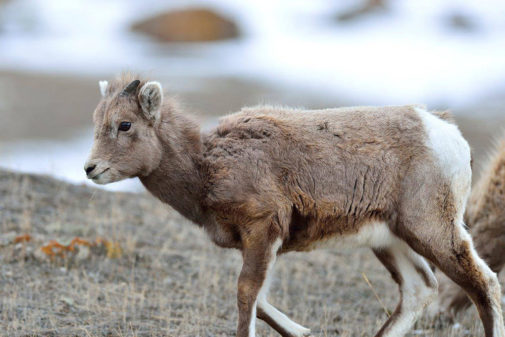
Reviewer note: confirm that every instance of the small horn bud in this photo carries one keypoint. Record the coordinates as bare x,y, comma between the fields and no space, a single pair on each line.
130,88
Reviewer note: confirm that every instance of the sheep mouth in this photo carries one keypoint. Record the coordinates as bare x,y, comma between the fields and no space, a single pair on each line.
97,176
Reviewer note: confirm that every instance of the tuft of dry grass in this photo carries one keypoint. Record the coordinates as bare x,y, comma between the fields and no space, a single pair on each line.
169,279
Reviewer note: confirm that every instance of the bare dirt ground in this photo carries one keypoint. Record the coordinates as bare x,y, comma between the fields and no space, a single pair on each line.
163,276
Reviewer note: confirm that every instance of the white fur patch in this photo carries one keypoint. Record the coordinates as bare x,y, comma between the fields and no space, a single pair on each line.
293,328
416,295
252,323
447,143
103,87
265,286
453,154
268,278
373,235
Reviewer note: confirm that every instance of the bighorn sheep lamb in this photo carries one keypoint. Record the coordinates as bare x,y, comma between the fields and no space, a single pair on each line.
485,216
271,180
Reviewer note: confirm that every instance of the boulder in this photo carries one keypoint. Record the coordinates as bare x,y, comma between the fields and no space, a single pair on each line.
188,25
369,7
462,22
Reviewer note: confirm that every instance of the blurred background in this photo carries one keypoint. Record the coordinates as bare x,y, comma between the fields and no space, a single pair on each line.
219,55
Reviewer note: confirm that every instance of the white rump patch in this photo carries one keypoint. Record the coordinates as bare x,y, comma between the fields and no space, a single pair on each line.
103,87
453,154
447,143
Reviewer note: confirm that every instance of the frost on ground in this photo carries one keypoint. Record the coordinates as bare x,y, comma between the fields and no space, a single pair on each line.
165,278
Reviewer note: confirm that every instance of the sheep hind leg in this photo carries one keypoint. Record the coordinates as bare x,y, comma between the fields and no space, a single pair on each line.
417,285
489,241
455,256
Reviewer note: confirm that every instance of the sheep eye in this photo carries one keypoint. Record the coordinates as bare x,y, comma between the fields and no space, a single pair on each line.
125,126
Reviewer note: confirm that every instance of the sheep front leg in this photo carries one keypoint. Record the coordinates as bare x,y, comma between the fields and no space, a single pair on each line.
258,258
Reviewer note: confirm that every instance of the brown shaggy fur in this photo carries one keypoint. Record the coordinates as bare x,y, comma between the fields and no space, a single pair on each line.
296,158
485,216
271,180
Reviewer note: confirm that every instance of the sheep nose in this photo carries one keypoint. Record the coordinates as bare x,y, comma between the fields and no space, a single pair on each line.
89,168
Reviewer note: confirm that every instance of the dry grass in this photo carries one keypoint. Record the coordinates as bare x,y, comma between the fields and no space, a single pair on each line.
170,280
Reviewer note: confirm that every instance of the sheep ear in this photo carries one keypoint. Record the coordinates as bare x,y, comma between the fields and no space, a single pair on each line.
150,98
103,87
